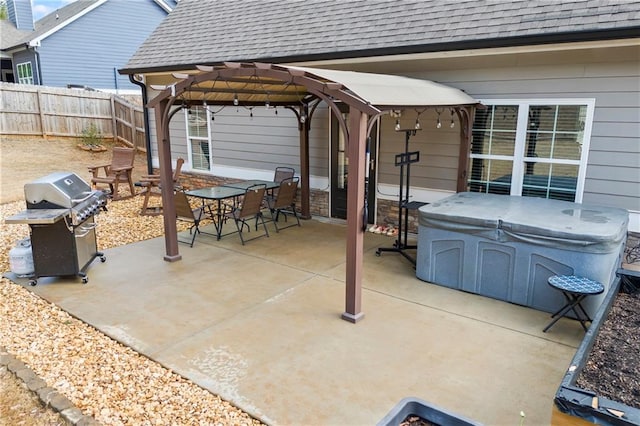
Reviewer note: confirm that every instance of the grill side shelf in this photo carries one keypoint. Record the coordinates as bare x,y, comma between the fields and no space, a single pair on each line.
38,216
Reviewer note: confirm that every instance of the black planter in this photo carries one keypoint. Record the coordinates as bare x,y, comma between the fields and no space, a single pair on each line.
582,403
426,411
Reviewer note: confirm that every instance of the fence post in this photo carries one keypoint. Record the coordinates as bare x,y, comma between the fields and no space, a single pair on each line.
41,112
134,130
114,124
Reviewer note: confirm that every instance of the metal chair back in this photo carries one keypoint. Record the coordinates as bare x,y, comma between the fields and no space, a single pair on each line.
185,212
284,201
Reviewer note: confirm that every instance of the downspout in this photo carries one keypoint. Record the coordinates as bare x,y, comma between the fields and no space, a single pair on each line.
37,56
145,113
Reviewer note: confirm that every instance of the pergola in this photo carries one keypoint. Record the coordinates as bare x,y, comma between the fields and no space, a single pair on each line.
368,96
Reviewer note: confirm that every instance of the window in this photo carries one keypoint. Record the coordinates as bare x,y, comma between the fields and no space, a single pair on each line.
198,135
535,148
25,73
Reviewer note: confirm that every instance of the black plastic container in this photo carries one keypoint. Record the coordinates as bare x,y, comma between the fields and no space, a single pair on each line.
426,411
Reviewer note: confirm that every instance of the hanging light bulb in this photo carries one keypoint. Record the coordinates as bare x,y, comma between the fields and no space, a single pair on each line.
275,110
417,126
303,118
452,125
397,124
250,112
438,123
235,99
267,105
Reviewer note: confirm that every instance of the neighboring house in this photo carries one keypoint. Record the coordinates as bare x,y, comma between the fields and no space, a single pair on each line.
561,82
79,45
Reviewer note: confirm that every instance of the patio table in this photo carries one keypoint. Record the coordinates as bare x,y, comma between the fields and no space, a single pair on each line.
247,183
225,192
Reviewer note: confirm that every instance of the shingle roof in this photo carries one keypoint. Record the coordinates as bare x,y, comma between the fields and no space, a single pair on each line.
9,34
54,19
213,31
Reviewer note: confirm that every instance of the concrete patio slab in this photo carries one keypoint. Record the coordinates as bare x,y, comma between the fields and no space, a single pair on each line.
260,326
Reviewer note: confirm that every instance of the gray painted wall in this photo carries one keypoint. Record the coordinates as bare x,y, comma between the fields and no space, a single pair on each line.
89,50
611,77
613,168
258,143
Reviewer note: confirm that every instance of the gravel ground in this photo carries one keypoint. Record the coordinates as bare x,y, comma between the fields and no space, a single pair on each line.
21,407
103,378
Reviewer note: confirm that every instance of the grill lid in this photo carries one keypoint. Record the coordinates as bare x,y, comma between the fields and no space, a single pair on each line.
64,189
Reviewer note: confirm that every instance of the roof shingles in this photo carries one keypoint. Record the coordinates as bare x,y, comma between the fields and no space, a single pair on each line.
209,32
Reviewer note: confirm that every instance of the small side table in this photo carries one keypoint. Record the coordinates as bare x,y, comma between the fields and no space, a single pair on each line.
575,290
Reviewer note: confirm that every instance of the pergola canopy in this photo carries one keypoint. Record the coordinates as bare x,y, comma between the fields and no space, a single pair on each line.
258,84
367,95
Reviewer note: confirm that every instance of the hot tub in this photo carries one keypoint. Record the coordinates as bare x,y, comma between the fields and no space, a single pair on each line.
507,247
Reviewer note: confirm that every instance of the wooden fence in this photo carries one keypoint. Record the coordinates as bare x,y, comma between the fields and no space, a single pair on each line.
60,112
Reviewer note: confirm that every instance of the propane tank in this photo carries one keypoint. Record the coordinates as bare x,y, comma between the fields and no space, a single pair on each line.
21,259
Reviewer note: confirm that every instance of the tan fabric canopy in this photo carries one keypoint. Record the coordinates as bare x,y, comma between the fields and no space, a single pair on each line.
257,84
383,90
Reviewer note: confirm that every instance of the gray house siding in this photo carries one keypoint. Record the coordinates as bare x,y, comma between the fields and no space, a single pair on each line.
611,78
20,14
255,144
613,176
439,151
614,157
118,27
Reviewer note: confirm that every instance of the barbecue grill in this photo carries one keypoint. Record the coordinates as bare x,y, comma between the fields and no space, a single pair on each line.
60,213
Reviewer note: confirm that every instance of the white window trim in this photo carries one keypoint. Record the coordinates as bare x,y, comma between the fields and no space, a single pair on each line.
18,72
521,130
190,138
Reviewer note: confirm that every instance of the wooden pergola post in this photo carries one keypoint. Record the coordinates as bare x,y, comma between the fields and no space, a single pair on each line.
355,217
305,192
166,181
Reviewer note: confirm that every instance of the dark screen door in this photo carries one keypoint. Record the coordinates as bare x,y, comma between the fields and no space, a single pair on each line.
340,165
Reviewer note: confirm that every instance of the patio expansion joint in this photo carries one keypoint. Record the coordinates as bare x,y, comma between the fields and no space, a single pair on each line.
435,308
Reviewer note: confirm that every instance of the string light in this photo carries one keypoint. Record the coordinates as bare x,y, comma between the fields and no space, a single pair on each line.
438,123
452,125
418,126
236,102
397,124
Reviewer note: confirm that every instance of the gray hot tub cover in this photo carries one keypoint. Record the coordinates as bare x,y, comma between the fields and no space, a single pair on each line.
552,223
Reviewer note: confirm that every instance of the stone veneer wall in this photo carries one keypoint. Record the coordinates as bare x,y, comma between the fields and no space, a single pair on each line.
388,215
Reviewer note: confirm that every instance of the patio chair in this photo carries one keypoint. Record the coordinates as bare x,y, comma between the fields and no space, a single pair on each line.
152,188
249,209
282,173
116,172
284,201
185,212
